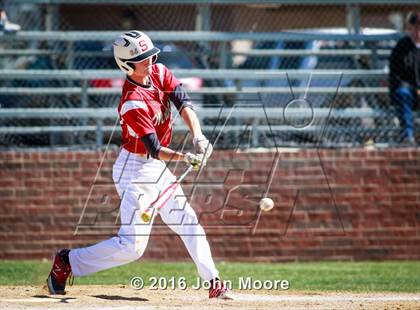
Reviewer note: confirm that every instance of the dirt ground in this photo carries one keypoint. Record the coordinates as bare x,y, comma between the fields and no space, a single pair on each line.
124,297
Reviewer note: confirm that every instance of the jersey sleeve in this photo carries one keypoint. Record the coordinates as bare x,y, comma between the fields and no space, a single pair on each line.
152,144
135,114
180,98
168,79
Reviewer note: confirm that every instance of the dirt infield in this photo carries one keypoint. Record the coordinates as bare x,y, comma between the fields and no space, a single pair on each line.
124,297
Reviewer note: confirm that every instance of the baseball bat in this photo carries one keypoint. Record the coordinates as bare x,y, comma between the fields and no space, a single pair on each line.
146,215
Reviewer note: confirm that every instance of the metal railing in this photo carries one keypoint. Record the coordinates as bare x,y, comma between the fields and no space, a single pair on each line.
18,91
236,77
196,36
221,74
257,119
206,2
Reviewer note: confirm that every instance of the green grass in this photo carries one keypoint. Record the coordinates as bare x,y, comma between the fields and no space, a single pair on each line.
396,276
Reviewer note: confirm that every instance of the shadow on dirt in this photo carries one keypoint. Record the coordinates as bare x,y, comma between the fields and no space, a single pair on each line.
116,297
61,299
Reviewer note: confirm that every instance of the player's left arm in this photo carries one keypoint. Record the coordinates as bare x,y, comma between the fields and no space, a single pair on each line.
201,143
182,102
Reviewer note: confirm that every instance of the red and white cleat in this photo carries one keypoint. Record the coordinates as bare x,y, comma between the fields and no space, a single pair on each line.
60,271
219,290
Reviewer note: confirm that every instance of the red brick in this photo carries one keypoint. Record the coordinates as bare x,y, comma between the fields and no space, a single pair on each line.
377,194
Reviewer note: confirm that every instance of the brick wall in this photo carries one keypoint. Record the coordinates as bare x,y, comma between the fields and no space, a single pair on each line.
332,204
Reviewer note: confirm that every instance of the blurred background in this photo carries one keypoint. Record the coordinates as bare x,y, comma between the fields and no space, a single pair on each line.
298,91
319,69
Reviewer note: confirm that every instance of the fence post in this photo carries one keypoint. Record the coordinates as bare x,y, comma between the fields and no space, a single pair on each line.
255,134
223,56
70,55
84,98
51,17
203,21
99,132
353,18
375,58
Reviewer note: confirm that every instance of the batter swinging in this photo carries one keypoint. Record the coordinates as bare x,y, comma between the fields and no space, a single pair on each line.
140,173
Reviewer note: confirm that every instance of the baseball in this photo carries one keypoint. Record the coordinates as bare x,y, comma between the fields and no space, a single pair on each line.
266,204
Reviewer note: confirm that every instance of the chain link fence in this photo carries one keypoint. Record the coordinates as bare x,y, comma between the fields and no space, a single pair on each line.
296,74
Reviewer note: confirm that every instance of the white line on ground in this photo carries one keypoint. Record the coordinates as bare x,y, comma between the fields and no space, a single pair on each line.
246,297
304,298
30,300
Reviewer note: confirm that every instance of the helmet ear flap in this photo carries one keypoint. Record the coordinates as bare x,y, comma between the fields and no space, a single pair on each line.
128,68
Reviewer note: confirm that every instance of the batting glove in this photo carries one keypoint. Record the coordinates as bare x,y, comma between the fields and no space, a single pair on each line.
195,160
202,146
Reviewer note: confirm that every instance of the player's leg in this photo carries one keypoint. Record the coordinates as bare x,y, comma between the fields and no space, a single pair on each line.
132,237
130,175
128,246
182,219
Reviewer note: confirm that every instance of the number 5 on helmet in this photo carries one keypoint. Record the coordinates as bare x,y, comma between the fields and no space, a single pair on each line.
132,47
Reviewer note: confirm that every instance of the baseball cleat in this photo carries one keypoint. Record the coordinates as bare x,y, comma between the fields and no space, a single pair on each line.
220,291
60,271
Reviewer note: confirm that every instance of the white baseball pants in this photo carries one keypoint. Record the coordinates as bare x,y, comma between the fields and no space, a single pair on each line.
139,181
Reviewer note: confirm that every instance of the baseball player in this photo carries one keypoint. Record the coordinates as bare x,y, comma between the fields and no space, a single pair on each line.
140,173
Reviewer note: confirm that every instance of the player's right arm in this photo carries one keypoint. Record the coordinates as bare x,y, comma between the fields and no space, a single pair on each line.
195,160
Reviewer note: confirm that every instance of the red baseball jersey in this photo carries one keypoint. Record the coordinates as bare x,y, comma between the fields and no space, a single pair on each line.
146,109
